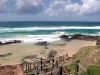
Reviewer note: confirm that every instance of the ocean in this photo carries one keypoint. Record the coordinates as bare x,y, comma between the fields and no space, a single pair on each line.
35,31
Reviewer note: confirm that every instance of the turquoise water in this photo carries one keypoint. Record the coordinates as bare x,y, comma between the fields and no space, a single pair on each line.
46,31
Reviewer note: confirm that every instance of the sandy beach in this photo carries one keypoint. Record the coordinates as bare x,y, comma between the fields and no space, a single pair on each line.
19,51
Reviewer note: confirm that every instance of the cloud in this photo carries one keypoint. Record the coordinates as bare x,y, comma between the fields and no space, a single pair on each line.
3,5
87,7
28,6
51,7
57,7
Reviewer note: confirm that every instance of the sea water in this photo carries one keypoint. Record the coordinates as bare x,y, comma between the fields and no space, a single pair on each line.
35,31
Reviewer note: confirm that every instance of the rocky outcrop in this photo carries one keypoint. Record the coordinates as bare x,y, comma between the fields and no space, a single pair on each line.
76,36
64,36
81,37
10,42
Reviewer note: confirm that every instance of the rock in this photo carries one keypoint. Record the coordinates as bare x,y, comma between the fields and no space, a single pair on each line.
64,36
80,37
76,36
0,43
88,37
43,43
10,42
52,53
16,41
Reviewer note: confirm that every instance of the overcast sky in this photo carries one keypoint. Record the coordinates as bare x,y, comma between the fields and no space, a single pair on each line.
50,10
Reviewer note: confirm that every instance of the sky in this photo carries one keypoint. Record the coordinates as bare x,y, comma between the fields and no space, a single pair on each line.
50,10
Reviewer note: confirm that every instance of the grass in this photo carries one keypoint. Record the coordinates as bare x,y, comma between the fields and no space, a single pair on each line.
68,69
94,70
89,57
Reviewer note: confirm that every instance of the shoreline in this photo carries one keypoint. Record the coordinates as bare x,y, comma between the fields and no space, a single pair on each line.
19,51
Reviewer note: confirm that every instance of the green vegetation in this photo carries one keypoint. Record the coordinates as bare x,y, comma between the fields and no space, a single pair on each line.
94,70
69,69
90,58
88,55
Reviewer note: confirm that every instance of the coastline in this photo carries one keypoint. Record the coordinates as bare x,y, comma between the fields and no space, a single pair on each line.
19,51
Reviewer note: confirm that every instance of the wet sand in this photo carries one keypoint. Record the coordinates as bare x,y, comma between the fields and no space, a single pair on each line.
19,51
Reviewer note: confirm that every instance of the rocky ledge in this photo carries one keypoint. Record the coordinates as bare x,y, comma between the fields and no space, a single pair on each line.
82,37
9,42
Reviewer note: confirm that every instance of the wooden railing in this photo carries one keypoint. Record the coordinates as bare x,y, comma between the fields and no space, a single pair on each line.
77,66
40,68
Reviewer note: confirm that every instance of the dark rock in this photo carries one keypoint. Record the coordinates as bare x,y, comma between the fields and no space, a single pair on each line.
52,53
44,43
0,43
81,37
10,42
76,36
64,36
17,41
97,37
87,37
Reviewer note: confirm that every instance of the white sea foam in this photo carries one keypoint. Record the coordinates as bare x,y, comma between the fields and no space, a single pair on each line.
33,38
47,28
36,38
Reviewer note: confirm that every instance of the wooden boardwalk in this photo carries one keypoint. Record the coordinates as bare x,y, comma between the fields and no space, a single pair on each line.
51,67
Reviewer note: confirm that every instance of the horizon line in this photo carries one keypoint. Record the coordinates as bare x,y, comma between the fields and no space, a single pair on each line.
49,21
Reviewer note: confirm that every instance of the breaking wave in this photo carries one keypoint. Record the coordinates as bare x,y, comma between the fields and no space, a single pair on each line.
33,38
47,28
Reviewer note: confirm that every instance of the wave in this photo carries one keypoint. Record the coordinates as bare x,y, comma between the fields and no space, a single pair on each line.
36,38
33,38
47,28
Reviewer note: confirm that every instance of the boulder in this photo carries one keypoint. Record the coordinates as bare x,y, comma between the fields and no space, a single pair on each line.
52,53
16,41
76,36
0,43
43,43
64,36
